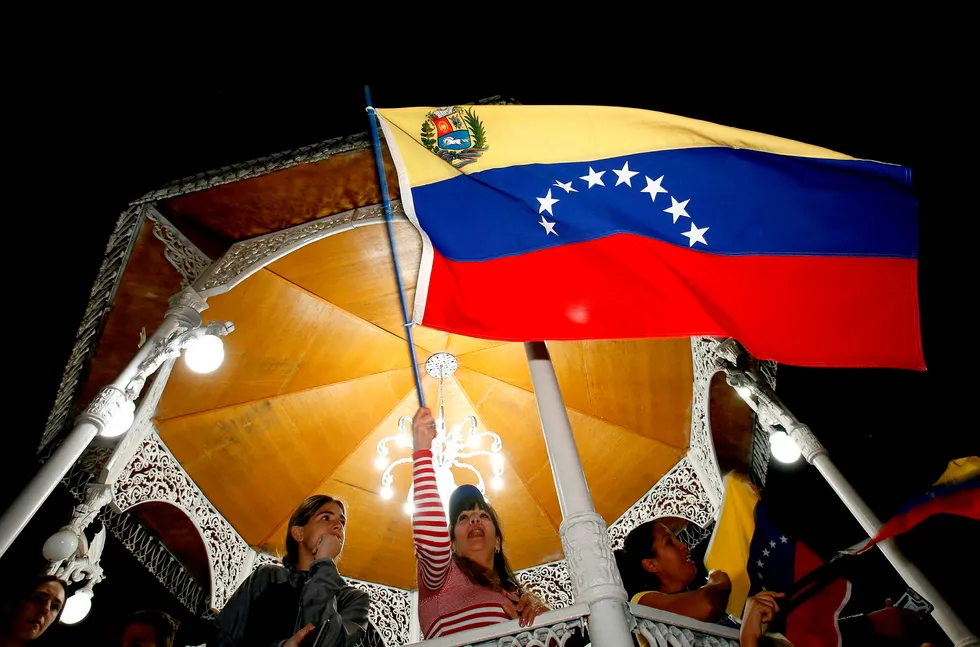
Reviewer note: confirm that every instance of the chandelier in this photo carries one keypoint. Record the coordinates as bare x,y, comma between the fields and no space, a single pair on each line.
452,448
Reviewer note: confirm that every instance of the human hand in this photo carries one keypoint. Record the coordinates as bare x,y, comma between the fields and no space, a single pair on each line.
300,635
760,609
527,608
423,429
329,545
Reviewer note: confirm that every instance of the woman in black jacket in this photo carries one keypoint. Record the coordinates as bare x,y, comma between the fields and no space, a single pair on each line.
305,602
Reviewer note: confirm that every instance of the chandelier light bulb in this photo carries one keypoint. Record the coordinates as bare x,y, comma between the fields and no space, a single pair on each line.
473,441
409,508
61,545
497,483
77,607
745,392
381,462
386,492
784,448
204,354
404,440
497,462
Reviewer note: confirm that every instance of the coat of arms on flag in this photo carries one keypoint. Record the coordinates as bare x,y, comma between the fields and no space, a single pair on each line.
454,134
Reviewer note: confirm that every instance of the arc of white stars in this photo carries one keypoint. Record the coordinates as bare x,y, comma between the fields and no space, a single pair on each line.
567,186
678,209
546,203
549,227
783,539
653,188
759,562
765,552
594,178
625,175
697,236
772,544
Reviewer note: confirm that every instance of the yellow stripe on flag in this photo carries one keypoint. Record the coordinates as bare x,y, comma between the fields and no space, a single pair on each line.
730,542
519,135
960,470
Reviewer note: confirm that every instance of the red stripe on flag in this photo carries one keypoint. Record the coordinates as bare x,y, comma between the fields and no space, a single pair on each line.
804,310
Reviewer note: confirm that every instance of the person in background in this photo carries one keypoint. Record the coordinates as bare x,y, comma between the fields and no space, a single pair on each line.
35,605
304,602
657,571
149,628
464,579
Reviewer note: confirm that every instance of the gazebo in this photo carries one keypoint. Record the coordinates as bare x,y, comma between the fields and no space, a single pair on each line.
292,250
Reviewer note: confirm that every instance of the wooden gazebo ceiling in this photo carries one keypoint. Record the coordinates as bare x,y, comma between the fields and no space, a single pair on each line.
316,373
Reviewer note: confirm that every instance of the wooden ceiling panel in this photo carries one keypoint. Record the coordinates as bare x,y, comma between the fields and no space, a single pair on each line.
268,203
353,271
643,385
284,340
257,461
608,452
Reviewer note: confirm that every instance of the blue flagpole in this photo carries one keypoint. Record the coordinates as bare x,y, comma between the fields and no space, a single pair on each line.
372,117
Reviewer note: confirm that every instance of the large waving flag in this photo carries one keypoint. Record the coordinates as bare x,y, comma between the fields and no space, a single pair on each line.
758,556
569,222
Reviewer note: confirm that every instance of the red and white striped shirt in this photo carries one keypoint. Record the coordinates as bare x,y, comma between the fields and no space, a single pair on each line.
448,601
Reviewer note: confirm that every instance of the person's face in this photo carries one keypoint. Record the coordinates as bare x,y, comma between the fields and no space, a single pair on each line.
671,560
35,613
328,520
474,535
138,634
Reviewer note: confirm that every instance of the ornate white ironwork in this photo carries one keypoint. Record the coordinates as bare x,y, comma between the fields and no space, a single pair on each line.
449,449
155,475
702,450
591,565
390,612
550,581
678,493
100,299
658,633
246,257
184,255
761,450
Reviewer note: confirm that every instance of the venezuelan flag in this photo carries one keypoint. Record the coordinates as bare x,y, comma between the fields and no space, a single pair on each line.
572,222
758,556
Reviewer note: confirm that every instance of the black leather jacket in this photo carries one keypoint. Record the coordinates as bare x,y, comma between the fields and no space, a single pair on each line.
274,603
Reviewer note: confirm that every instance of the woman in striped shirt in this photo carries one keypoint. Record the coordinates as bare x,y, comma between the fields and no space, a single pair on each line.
464,579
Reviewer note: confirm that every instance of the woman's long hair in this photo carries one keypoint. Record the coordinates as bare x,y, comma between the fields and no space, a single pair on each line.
637,547
301,517
501,577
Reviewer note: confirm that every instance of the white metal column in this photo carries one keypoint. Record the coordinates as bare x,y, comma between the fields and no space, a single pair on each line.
588,550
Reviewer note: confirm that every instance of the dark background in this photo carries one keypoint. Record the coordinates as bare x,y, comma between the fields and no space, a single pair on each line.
114,118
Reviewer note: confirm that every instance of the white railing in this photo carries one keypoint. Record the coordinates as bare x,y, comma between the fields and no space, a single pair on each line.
663,629
555,628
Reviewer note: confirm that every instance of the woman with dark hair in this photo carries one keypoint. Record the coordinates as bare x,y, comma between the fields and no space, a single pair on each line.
657,570
305,602
464,579
34,607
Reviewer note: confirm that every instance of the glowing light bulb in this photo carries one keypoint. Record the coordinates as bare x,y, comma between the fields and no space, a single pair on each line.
120,420
409,508
497,483
784,448
745,392
386,492
381,462
204,354
404,440
497,462
473,441
77,607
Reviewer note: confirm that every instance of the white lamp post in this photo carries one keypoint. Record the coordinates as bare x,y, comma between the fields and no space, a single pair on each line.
111,411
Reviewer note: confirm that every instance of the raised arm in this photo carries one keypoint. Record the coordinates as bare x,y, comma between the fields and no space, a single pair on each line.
430,530
706,603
